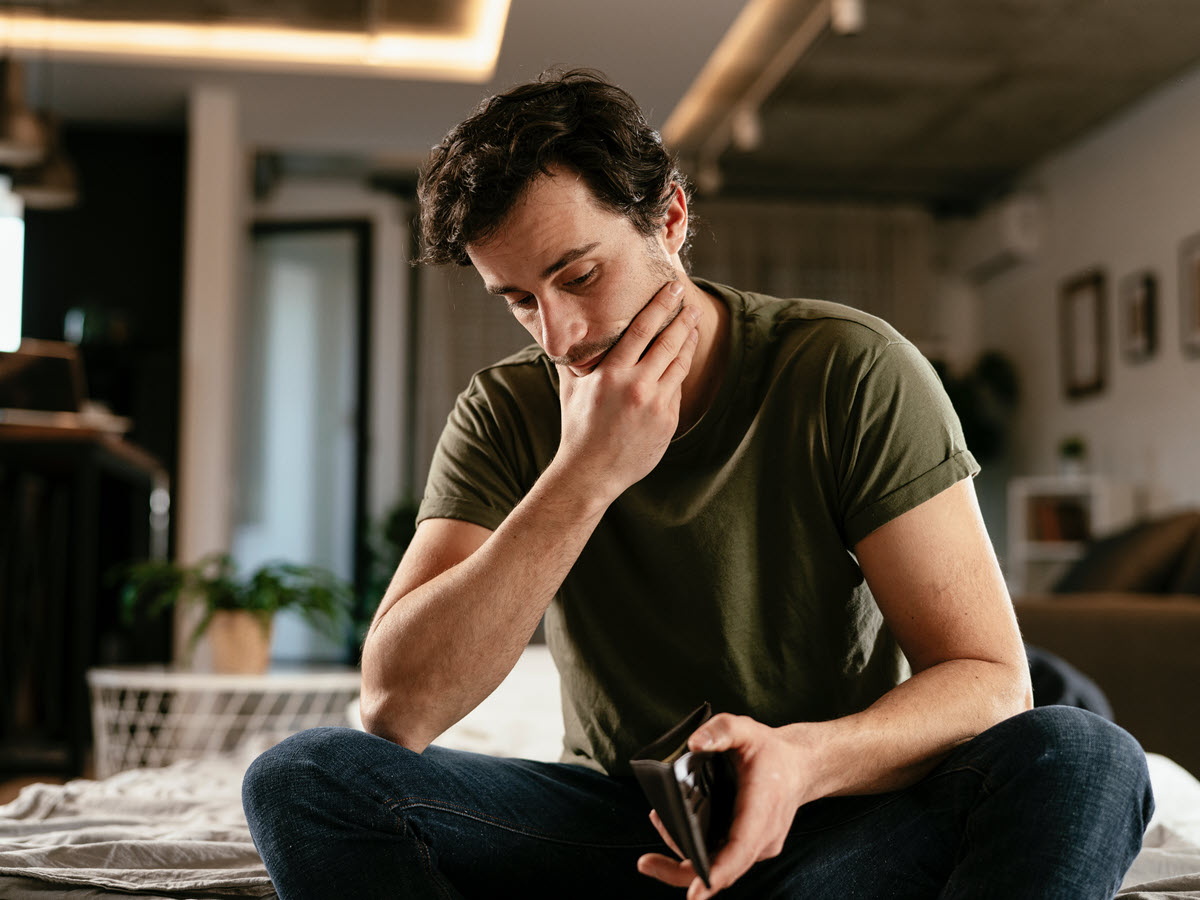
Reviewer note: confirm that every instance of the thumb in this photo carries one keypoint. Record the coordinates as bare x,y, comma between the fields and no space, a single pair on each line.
717,734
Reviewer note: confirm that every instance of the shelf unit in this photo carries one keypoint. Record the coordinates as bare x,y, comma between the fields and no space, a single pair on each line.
1051,519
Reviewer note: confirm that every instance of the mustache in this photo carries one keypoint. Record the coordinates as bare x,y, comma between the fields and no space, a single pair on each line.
581,353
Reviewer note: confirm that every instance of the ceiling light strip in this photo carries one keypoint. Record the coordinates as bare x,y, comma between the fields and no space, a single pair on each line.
469,55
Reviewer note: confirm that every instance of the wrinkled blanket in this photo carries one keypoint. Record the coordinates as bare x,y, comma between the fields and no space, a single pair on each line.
1168,868
177,832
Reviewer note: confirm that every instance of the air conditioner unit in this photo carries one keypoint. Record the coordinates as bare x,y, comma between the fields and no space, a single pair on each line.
1004,235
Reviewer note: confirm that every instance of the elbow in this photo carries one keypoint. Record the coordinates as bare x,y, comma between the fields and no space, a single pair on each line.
1019,696
381,717
1027,700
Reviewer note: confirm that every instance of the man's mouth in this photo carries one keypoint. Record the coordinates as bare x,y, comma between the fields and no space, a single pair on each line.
583,368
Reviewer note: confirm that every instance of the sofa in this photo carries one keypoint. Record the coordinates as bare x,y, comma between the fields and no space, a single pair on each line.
1127,615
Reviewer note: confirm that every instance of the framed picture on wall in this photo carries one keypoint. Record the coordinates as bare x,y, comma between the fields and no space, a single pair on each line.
1189,295
1082,330
1138,328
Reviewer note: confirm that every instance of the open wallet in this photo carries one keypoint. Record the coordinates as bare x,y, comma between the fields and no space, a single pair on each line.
692,792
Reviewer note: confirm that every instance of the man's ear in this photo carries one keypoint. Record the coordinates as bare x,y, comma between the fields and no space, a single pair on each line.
675,221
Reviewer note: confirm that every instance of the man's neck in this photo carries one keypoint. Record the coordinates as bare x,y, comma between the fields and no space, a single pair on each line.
703,380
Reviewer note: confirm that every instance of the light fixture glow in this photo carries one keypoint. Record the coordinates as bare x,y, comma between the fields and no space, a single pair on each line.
466,55
12,264
745,67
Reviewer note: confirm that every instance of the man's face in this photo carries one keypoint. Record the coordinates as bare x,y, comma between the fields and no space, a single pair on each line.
573,274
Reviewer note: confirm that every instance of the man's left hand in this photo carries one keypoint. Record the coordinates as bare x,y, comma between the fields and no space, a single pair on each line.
772,785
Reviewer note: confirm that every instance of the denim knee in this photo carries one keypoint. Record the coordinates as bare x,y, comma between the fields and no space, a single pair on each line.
282,779
1086,755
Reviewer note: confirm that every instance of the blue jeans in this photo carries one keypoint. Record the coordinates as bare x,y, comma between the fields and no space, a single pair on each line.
1049,804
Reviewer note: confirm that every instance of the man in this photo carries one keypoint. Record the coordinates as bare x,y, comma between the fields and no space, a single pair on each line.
711,495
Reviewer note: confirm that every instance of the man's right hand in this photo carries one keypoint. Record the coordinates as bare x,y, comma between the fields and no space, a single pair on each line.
464,600
618,419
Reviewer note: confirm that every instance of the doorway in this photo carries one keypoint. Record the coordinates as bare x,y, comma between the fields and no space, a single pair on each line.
302,412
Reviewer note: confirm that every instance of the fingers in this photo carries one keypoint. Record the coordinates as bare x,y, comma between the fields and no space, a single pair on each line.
665,869
681,363
654,317
664,834
732,862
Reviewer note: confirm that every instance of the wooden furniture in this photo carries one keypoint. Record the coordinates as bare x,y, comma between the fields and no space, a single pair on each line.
1052,517
75,503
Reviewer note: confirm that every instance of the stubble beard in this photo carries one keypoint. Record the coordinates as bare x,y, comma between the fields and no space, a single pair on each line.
584,352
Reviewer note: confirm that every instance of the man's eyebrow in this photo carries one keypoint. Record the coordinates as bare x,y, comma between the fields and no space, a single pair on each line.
569,257
561,263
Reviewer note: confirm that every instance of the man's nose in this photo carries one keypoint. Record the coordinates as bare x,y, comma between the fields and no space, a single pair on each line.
562,325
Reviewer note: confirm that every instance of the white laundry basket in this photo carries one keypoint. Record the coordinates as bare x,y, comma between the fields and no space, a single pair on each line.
145,716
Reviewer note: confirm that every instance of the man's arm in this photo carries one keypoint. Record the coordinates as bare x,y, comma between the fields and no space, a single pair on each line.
464,600
936,580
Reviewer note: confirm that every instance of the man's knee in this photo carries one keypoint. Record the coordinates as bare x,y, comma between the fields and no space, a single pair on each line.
295,772
1083,755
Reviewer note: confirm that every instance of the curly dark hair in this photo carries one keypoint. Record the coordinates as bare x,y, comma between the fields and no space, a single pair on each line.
576,120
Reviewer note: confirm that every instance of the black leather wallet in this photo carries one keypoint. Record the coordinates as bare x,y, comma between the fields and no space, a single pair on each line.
692,792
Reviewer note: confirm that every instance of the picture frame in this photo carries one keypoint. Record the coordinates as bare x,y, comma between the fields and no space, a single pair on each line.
1138,316
1083,333
1189,295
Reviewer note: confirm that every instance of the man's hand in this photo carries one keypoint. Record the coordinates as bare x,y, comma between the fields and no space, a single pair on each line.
772,785
619,418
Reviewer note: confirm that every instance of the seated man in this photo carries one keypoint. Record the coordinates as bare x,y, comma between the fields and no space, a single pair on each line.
711,495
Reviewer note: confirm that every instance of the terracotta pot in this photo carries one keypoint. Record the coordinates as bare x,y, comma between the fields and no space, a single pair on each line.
241,642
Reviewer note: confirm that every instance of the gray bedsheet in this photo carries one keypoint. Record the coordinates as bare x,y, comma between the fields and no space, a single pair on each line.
170,833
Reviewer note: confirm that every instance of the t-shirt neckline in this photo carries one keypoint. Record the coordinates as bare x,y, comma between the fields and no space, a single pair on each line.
702,431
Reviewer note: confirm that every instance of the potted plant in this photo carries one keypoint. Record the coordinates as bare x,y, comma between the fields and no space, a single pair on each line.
238,612
1072,454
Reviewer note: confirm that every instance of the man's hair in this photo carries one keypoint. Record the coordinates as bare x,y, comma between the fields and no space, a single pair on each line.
575,120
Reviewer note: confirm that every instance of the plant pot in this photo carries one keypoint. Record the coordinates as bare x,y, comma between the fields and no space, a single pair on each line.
1070,467
241,642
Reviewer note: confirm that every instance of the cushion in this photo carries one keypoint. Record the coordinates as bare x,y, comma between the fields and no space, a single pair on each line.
1145,558
1187,577
1056,682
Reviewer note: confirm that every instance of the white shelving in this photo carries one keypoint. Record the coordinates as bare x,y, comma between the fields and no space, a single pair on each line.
1051,519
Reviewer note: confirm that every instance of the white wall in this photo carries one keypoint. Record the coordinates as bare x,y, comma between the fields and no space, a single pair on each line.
1122,198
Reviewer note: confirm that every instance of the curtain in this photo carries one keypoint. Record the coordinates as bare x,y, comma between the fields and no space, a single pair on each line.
877,259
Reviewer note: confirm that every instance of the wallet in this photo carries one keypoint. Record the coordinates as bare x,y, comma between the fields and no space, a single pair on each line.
692,792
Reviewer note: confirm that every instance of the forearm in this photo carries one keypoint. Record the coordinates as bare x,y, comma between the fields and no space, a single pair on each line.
435,652
901,737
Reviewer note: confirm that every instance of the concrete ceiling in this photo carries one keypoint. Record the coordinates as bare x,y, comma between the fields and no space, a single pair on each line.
939,102
943,102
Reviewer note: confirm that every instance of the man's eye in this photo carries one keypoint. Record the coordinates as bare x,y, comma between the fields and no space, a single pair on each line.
582,279
520,302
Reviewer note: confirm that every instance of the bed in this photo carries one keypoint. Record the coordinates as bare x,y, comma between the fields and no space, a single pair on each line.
178,832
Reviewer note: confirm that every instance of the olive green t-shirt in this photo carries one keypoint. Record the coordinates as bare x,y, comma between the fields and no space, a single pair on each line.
727,574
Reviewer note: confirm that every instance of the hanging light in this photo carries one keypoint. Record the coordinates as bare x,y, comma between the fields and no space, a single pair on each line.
52,183
22,138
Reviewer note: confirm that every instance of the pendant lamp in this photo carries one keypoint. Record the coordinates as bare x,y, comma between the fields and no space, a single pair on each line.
22,138
51,184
